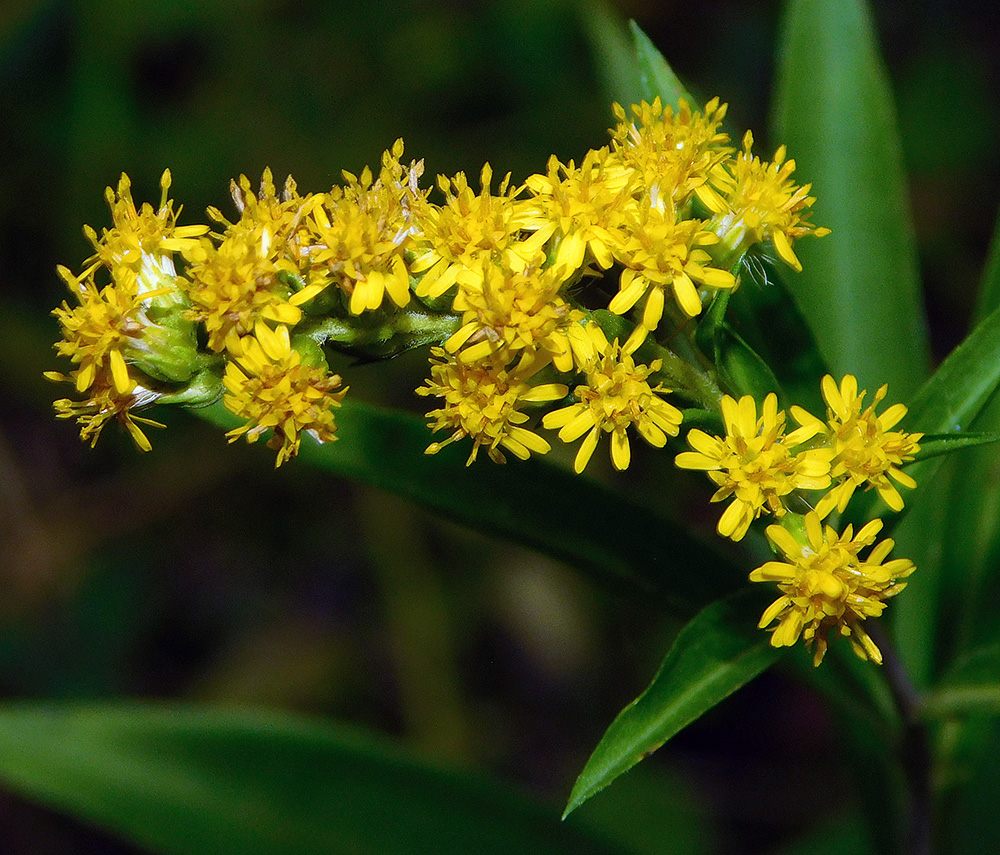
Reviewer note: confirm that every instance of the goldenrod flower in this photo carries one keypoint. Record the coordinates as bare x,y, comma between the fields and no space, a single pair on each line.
616,395
361,233
268,384
481,401
235,285
140,234
97,332
457,237
763,203
580,210
505,312
659,253
828,588
105,401
671,152
241,281
755,463
865,447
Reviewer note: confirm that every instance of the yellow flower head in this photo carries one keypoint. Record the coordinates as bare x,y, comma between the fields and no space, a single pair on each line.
105,401
97,332
507,312
241,281
865,447
671,152
581,210
827,587
456,238
481,401
140,233
268,384
616,395
660,253
763,203
755,463
360,235
236,284
277,217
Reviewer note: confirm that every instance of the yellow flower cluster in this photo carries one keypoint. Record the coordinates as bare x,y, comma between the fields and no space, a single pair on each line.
496,278
575,294
762,470
124,298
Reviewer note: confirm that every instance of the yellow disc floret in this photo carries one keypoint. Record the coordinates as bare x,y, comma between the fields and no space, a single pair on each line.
268,384
482,401
755,464
827,588
865,448
616,395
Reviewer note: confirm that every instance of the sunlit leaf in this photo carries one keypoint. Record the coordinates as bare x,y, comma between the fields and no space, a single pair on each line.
656,77
859,289
934,445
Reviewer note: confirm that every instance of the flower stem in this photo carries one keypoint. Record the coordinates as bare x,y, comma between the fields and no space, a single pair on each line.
914,745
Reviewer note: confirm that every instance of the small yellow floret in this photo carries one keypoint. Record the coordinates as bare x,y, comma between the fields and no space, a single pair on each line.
865,448
268,385
764,203
481,401
616,395
755,463
828,588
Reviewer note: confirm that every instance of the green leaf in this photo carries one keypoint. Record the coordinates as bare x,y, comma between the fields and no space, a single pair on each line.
630,69
719,650
948,403
934,445
973,504
989,286
859,290
189,780
953,397
656,77
972,686
741,369
613,52
570,517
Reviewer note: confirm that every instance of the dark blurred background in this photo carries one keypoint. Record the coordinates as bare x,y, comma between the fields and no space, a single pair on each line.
198,572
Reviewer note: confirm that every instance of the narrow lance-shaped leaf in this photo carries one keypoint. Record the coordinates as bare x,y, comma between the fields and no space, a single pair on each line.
859,289
195,781
972,686
973,506
656,76
613,50
949,401
945,405
719,651
936,445
570,517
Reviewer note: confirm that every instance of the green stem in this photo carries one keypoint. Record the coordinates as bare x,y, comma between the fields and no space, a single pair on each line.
914,745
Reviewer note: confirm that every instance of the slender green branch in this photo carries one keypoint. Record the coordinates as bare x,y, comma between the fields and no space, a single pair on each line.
914,745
